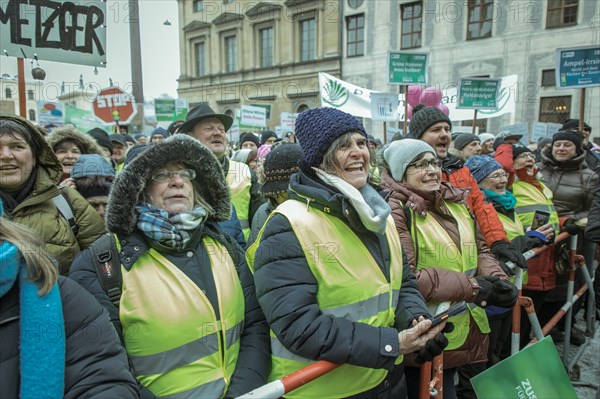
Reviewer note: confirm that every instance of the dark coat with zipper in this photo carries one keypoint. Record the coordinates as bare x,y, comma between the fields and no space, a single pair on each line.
95,362
254,359
287,290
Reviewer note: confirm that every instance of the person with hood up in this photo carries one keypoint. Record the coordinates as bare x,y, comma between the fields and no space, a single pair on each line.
188,313
29,174
531,195
46,322
69,144
446,252
432,126
330,272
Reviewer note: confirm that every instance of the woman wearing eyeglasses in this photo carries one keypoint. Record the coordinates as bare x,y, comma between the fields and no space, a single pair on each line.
493,181
446,251
188,313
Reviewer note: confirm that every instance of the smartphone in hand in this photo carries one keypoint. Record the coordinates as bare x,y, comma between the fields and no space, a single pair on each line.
540,218
453,310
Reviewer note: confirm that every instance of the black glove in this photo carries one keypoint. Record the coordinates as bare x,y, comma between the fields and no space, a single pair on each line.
494,291
570,227
433,347
506,269
505,252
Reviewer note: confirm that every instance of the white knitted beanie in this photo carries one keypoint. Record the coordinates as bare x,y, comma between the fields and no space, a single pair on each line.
402,152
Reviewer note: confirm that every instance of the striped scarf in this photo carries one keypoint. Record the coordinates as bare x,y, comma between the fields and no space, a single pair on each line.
170,230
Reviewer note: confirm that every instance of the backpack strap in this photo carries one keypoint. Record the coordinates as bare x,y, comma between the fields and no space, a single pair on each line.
107,265
64,208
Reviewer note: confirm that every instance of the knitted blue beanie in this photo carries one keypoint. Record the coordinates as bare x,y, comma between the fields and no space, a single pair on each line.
316,129
481,166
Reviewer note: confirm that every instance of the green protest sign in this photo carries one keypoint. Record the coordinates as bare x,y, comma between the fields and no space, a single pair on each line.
407,68
478,93
535,372
168,109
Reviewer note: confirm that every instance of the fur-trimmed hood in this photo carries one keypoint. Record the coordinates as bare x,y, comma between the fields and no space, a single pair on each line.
129,186
87,143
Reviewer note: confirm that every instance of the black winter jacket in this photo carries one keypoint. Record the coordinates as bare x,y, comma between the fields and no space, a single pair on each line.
95,363
287,292
254,358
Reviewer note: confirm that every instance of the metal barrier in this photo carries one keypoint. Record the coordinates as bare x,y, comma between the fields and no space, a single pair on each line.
431,378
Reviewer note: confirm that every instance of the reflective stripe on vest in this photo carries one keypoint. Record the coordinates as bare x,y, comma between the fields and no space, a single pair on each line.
513,229
239,180
529,199
437,249
351,285
178,345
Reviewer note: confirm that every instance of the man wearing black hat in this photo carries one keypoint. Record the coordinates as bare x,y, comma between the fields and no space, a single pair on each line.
210,129
433,126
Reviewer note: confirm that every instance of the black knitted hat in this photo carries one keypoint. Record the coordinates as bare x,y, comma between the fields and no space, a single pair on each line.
464,139
423,117
574,124
279,165
101,138
519,149
267,134
249,137
316,129
570,135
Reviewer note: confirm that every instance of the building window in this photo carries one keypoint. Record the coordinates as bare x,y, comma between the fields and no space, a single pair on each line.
30,95
301,108
7,93
266,47
548,78
555,109
307,39
200,53
561,13
230,54
198,5
481,14
355,29
32,115
411,25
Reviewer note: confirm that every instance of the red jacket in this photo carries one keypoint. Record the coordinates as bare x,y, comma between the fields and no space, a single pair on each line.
487,219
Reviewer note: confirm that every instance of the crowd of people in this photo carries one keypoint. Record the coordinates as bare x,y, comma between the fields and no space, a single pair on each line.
206,268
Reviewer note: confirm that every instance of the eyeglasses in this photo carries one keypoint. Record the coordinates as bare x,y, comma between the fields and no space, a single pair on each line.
423,165
526,155
163,175
498,176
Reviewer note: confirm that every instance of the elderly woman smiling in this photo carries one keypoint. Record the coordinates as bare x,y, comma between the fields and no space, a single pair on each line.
330,274
192,326
446,252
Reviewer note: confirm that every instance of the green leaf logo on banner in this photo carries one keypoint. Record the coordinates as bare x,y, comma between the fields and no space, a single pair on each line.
335,93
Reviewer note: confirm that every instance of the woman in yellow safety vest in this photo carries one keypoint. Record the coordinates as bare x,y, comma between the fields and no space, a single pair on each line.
330,274
446,252
187,307
493,181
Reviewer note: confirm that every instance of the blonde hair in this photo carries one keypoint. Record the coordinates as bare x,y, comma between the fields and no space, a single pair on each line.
41,269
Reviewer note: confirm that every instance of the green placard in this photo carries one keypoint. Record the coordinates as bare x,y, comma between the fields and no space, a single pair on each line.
168,109
534,372
478,93
407,68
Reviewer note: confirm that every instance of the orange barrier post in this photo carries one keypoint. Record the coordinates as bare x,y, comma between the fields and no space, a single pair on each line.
425,377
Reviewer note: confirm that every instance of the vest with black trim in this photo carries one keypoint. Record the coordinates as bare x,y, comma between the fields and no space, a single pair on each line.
239,180
178,344
530,199
352,286
435,248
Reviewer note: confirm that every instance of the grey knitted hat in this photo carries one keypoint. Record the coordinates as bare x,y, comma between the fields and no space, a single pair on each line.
464,139
423,117
401,153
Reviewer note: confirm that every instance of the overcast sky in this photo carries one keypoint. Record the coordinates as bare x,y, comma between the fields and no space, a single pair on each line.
160,51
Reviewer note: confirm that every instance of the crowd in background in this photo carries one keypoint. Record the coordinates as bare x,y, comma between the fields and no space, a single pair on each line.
209,268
